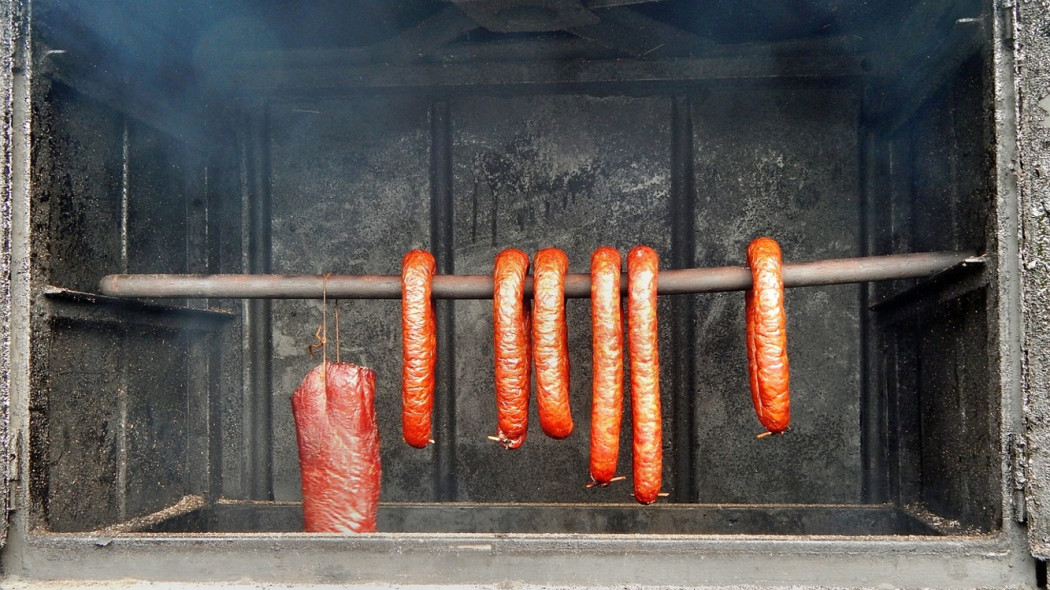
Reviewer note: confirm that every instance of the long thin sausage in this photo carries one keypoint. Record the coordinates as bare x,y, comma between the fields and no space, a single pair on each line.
642,269
511,346
335,424
550,342
767,336
418,346
607,381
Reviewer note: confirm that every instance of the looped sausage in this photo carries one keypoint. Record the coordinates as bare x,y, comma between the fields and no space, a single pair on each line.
607,382
550,342
767,336
511,346
418,346
642,344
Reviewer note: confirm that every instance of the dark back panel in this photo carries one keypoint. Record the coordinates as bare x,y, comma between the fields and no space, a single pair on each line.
782,163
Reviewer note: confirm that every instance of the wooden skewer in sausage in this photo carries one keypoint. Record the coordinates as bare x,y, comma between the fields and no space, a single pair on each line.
511,346
550,342
642,345
418,346
767,336
607,381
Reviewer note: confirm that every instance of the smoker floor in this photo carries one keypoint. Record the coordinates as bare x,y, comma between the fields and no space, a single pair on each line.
252,517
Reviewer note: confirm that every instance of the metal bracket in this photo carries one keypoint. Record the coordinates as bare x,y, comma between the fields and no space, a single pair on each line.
1018,451
1008,16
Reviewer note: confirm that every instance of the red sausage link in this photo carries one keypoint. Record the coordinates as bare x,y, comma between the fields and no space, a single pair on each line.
550,342
607,383
767,336
418,346
642,344
511,346
335,424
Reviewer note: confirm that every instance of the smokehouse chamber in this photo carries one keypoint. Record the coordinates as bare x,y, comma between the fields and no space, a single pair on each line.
895,150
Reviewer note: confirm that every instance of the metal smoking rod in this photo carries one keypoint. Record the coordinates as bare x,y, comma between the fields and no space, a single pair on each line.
693,280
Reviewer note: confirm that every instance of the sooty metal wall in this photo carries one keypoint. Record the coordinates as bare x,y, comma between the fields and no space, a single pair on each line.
153,431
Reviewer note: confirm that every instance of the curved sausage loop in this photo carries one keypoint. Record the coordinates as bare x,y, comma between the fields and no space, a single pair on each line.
767,336
511,346
607,382
418,346
642,345
550,342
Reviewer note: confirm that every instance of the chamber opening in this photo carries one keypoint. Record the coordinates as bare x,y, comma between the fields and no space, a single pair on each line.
309,142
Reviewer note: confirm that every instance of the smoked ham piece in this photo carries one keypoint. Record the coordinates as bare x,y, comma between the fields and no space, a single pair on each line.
338,448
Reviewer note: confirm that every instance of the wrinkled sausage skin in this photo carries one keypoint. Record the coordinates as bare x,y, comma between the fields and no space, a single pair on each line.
607,381
511,346
338,441
767,336
550,342
418,347
642,346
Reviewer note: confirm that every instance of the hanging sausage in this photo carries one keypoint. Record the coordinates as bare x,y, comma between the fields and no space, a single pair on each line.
511,346
607,380
642,346
418,346
767,336
550,342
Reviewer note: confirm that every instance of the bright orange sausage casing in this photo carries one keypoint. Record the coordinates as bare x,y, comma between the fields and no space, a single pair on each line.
418,346
607,382
767,336
550,342
511,346
642,345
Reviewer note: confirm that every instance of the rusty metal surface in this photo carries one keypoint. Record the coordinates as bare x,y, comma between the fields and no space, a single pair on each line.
9,137
1033,139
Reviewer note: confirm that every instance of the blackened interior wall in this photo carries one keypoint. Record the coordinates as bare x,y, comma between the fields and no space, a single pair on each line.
934,351
134,408
351,193
124,404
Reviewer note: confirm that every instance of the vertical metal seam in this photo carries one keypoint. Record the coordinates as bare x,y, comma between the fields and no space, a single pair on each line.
259,390
872,409
125,206
15,341
865,147
441,241
683,342
122,383
122,432
1007,227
